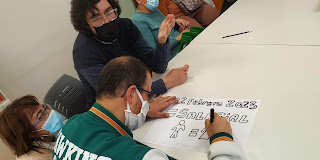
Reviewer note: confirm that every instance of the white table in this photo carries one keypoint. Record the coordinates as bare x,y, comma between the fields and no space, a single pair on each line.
277,63
285,78
279,22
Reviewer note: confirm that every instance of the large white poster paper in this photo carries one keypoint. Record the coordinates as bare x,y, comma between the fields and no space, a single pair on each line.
185,127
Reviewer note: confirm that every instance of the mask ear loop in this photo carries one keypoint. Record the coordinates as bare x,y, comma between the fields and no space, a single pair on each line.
43,125
38,130
141,99
41,136
128,106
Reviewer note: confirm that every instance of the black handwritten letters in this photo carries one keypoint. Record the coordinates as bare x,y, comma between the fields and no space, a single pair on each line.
202,135
230,103
184,113
193,132
192,101
244,104
234,117
185,127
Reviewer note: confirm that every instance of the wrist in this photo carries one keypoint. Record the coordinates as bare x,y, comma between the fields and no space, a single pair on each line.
176,19
221,136
178,39
162,39
167,83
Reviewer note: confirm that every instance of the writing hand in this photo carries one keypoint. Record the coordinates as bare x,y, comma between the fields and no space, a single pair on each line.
220,124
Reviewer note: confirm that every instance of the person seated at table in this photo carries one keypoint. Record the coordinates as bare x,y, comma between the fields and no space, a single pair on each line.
29,128
104,36
148,19
122,104
201,17
227,4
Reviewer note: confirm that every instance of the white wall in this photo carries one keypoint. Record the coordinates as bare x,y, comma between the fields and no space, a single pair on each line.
32,34
36,40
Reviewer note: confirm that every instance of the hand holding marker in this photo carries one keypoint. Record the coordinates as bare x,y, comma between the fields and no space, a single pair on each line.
211,115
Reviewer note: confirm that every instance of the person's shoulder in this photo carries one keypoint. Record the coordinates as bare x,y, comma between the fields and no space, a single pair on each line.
80,41
125,21
157,11
42,154
74,119
138,16
74,123
138,22
84,48
127,27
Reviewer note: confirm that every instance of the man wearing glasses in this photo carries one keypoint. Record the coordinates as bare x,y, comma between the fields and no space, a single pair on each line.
104,36
122,104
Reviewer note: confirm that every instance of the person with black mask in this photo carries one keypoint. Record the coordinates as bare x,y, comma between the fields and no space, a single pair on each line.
104,36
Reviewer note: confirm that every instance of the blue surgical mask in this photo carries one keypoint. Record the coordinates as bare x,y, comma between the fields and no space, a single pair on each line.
152,4
53,124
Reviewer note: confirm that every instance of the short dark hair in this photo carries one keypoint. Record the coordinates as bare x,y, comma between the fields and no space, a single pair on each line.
15,127
79,10
135,3
119,74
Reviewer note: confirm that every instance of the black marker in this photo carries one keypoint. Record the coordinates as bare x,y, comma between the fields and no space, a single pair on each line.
236,34
211,115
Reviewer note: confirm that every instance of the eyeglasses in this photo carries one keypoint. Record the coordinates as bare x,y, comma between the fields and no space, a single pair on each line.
99,20
151,96
42,114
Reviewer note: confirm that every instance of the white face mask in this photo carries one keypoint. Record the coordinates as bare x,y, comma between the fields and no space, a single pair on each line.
133,121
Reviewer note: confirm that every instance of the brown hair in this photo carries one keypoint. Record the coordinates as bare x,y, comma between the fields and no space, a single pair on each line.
79,10
15,127
120,73
135,3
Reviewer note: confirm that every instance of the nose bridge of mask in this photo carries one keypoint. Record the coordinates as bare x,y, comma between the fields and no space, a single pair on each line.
45,123
53,123
152,4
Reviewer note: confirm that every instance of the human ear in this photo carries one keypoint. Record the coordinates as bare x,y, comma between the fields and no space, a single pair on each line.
131,90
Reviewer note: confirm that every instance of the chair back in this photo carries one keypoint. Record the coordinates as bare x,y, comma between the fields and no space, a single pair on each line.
66,96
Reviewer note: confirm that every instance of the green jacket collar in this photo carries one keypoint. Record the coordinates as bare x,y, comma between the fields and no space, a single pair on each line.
112,120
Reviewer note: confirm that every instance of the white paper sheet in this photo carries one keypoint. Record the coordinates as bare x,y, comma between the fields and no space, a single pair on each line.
185,127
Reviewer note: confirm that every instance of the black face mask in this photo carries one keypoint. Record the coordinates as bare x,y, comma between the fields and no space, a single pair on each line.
109,31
